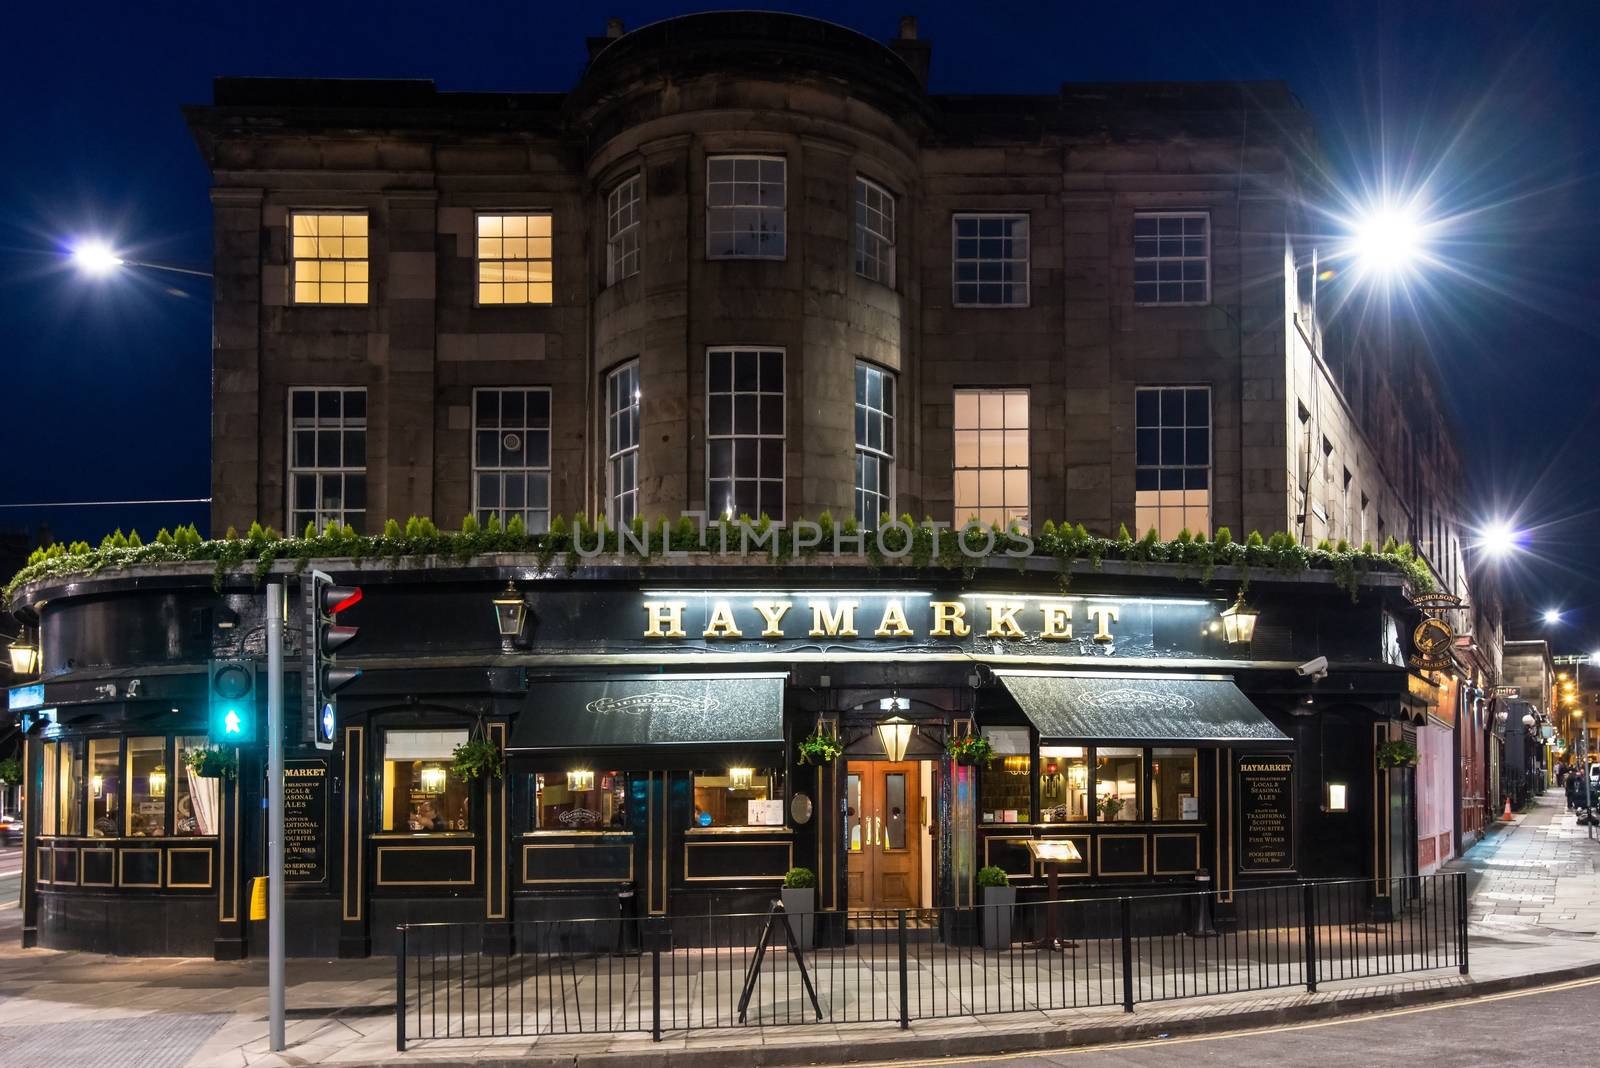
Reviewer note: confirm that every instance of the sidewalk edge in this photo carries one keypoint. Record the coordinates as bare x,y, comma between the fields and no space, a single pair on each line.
984,1043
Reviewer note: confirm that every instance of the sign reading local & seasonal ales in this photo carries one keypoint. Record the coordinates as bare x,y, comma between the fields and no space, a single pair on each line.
305,821
1264,797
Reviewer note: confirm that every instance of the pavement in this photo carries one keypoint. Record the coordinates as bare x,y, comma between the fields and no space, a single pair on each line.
1534,911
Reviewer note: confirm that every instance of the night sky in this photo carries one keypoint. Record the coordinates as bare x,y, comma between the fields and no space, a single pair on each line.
1491,108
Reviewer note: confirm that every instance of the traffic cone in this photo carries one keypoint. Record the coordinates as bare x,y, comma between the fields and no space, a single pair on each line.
1506,815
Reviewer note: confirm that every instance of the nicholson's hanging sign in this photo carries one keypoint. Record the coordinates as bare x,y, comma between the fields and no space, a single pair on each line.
1434,637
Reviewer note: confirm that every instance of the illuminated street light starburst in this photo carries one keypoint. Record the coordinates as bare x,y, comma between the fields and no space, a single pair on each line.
95,257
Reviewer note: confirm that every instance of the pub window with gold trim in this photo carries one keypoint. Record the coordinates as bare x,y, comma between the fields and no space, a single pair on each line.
514,259
329,254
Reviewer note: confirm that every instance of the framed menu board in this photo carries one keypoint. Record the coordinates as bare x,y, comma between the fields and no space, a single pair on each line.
305,821
1264,799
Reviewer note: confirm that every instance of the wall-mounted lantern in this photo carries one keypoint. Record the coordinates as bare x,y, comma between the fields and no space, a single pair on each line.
895,734
158,781
510,616
740,778
580,781
1239,621
433,779
24,656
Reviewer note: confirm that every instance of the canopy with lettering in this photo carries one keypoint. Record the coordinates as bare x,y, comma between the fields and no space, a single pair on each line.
1145,708
706,720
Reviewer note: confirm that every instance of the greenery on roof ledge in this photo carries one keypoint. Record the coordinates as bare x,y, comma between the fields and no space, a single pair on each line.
418,538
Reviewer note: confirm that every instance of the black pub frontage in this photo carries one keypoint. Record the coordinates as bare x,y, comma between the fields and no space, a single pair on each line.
653,718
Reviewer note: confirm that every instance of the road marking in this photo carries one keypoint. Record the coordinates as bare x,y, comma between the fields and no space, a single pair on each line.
1454,1003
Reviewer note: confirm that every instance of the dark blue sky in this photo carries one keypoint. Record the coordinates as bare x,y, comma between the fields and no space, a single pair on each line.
1498,105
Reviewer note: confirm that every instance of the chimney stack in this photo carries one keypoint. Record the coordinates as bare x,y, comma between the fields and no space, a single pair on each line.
614,27
908,27
918,54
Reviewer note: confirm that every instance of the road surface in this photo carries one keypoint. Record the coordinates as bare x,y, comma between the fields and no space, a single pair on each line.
10,875
1492,1031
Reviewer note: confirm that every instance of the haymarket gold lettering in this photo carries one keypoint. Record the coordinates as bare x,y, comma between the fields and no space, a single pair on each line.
1003,619
1057,621
663,614
772,614
721,624
1101,613
949,620
838,623
893,624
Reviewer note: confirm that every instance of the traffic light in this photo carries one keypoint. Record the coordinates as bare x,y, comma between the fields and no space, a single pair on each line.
233,702
322,678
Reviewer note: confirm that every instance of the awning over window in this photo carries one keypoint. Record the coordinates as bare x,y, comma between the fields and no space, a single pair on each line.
704,715
1138,708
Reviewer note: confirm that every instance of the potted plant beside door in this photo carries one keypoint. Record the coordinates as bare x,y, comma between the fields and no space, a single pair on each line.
998,898
799,895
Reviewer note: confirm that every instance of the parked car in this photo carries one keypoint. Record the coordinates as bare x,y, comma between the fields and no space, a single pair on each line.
10,830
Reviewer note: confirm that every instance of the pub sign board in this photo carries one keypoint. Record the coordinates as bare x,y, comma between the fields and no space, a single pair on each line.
305,821
876,622
1264,799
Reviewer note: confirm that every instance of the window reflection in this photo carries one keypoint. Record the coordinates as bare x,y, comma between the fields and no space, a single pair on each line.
1175,778
1063,783
105,786
194,804
1003,795
421,791
1118,774
147,787
580,801
738,797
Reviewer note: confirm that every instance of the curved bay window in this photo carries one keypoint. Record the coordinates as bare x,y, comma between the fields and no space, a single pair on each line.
1063,783
738,797
579,800
1003,795
140,787
1118,783
147,787
105,787
421,793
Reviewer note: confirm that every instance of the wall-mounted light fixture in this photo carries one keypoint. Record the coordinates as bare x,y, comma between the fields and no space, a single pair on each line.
580,781
97,785
1338,797
24,655
432,779
158,781
1239,621
895,734
740,778
510,616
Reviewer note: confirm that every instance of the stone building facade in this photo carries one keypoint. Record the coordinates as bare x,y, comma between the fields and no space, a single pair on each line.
1083,194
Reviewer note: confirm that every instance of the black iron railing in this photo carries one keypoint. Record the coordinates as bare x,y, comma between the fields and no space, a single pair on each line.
542,977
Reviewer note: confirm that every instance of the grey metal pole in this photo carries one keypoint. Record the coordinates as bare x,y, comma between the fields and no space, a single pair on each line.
275,815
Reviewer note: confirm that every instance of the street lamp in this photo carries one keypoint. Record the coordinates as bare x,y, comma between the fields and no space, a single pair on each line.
1552,616
97,258
1499,539
1388,240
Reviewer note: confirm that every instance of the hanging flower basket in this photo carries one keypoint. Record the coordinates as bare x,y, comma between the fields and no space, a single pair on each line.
1397,755
477,756
213,762
819,749
968,749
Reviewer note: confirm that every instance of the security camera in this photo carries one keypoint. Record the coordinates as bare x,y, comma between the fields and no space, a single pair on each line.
1316,669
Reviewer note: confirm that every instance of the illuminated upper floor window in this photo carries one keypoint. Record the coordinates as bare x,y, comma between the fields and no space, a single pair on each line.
328,251
514,259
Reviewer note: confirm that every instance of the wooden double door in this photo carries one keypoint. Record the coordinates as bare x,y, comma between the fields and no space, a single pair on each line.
884,817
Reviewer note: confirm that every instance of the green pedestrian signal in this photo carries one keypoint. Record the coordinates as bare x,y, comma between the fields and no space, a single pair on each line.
233,702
